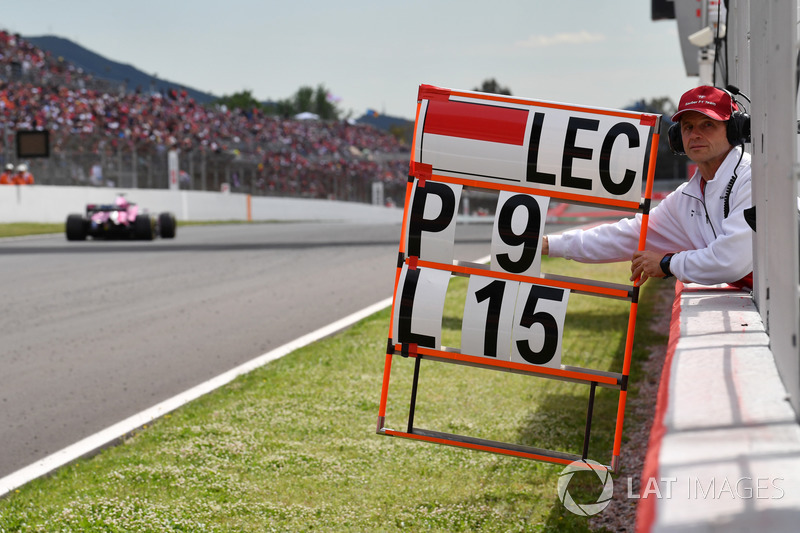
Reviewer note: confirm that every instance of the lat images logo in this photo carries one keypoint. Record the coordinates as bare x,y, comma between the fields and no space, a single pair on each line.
585,509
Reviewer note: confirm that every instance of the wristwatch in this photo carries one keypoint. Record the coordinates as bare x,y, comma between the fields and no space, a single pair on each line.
665,261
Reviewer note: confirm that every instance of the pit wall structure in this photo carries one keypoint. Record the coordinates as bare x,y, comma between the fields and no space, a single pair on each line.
724,450
724,453
40,203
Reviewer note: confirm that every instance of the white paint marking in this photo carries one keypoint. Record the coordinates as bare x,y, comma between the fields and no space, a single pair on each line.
94,442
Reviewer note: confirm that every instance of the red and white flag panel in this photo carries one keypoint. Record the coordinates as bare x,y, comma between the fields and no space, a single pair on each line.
590,152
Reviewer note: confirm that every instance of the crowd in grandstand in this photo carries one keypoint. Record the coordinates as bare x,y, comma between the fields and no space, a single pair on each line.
38,91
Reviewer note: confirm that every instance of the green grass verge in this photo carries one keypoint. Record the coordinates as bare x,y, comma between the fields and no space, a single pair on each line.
292,446
19,229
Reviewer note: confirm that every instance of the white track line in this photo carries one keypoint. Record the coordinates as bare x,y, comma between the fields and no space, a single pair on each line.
107,436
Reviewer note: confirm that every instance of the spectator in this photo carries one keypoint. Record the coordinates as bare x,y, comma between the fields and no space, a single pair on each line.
96,175
23,175
7,177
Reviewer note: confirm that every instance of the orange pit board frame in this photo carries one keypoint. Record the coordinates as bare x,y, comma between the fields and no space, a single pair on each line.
529,152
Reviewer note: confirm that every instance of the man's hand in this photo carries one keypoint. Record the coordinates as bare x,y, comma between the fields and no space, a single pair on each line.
545,246
646,264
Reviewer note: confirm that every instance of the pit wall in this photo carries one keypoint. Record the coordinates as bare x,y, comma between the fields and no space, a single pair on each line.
38,203
724,451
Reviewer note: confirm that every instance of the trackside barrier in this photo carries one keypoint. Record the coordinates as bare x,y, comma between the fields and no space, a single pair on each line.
51,203
724,448
527,152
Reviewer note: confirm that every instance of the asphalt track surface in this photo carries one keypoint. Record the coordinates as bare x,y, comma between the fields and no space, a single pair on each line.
94,332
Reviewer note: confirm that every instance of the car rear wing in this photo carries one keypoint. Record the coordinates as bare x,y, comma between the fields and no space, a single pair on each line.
99,208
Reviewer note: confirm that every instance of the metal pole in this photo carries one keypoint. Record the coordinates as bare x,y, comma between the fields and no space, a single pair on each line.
134,166
190,156
203,169
413,406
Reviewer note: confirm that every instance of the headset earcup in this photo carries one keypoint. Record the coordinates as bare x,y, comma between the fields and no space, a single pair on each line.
745,127
738,128
675,140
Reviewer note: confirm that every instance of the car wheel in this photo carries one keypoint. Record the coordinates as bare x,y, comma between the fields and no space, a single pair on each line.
166,225
76,228
143,228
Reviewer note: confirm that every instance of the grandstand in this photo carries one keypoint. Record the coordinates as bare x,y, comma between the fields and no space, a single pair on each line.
125,135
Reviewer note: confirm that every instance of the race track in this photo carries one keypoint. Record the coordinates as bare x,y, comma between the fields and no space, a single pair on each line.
94,332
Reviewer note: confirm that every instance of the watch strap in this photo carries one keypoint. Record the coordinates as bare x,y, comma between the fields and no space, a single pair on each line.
665,265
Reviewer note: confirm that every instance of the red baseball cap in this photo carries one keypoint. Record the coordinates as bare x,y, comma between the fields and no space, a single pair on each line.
710,101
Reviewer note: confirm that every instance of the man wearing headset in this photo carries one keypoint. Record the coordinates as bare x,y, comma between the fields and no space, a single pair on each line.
698,233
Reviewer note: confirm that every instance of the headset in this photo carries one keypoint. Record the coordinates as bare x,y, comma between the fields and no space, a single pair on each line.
737,128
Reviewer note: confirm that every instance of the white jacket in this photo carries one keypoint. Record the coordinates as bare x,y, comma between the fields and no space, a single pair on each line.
710,248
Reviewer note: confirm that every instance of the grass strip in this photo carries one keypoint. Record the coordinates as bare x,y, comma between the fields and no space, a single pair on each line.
292,446
20,229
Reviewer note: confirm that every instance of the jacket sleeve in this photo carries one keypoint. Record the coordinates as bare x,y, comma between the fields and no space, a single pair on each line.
618,241
601,244
727,258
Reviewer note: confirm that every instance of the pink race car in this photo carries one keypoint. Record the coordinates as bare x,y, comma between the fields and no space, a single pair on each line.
121,220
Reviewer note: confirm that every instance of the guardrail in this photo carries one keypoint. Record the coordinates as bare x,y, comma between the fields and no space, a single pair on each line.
34,203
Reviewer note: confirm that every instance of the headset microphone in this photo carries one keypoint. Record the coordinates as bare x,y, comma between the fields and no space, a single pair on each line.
733,89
